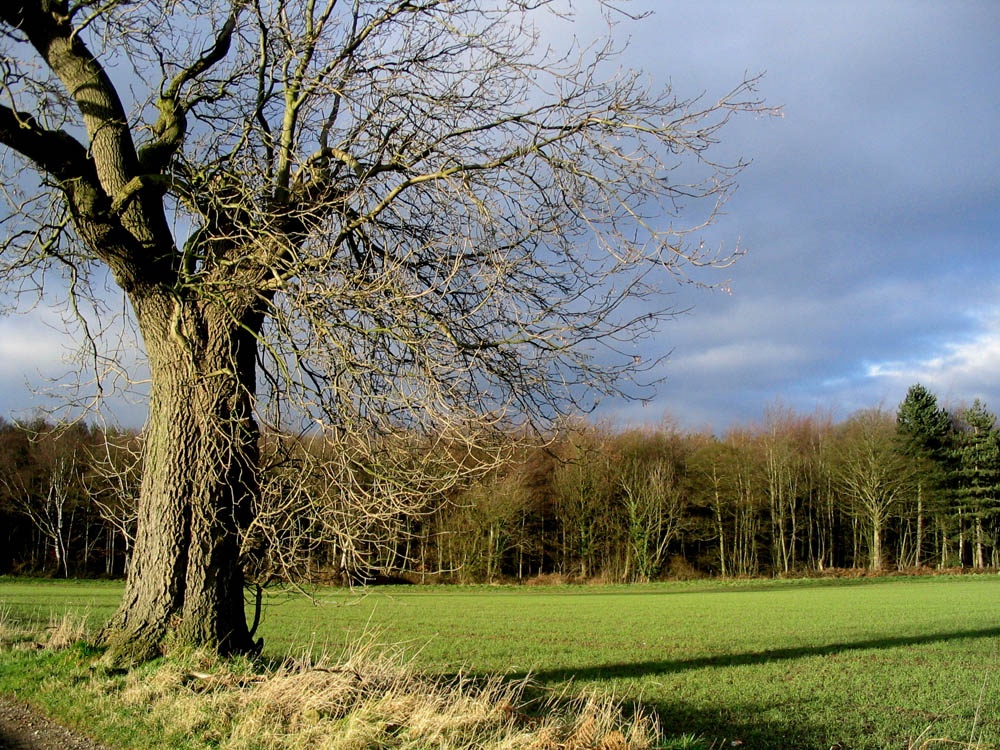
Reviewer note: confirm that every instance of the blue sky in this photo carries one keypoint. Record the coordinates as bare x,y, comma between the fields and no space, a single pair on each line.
871,212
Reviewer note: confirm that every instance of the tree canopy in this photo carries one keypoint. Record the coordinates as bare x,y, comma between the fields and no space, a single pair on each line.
397,223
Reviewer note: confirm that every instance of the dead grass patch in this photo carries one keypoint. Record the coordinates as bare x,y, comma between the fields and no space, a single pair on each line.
374,699
66,630
370,697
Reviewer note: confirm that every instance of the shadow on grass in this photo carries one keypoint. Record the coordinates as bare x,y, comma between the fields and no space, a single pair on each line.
655,667
744,724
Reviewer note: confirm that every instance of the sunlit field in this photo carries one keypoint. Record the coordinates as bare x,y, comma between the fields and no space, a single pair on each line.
869,663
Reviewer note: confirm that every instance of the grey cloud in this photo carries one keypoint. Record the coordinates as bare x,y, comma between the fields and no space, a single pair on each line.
871,209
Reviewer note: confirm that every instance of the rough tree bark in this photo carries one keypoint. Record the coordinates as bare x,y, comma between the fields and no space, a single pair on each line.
199,482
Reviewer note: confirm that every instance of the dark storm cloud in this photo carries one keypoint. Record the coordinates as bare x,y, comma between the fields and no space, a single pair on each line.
871,210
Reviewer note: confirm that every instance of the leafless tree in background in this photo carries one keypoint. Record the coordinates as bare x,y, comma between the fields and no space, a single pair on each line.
873,474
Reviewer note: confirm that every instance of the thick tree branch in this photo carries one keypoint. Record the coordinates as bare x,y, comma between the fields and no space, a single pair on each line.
55,152
171,126
85,80
146,253
62,157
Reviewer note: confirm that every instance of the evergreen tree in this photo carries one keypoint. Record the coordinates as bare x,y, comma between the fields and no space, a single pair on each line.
923,428
978,477
924,434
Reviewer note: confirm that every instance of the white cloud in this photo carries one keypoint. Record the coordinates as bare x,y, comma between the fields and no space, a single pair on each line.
959,372
43,367
743,357
29,345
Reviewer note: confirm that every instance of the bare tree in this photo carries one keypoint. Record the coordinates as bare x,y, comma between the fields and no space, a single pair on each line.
115,473
652,503
49,493
873,474
332,506
583,488
654,506
396,215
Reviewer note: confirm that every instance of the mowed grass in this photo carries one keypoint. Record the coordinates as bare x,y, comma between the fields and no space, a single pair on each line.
870,663
875,663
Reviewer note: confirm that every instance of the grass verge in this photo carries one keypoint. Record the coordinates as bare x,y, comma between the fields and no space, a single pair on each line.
369,697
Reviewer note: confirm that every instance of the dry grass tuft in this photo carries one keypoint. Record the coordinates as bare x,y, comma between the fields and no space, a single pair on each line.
24,632
370,698
596,722
66,630
10,632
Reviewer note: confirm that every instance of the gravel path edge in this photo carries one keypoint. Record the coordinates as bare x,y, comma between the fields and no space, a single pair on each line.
23,728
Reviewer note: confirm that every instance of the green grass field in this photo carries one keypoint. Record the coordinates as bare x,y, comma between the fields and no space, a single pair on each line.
870,663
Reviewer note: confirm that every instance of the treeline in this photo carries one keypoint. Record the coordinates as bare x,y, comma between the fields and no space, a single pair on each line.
918,488
67,498
797,493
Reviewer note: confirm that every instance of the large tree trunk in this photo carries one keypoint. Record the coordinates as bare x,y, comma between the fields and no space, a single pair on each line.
185,584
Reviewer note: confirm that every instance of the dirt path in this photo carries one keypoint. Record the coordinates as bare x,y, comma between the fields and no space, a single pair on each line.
21,728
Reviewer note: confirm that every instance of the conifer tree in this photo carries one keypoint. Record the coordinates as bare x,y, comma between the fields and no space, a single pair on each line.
978,476
924,433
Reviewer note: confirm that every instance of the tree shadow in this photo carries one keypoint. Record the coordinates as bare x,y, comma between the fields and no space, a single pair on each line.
742,724
665,667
